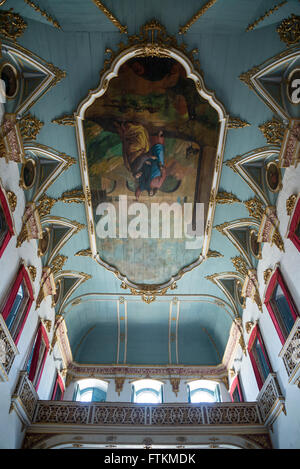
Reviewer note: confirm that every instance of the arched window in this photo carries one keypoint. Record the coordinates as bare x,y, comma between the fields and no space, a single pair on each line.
147,391
203,391
90,390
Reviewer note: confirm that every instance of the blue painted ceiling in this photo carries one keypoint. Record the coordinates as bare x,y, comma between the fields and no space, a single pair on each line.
145,335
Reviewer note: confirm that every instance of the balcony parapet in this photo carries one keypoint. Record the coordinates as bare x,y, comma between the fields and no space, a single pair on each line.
24,399
76,413
8,351
270,400
290,354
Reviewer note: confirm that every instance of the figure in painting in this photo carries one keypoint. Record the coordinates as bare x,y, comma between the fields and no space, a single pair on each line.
143,156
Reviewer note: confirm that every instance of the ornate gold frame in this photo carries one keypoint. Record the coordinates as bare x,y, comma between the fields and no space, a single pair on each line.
152,41
52,74
81,277
226,227
57,286
250,78
64,162
297,69
22,182
39,250
237,163
74,227
279,186
215,278
15,71
259,255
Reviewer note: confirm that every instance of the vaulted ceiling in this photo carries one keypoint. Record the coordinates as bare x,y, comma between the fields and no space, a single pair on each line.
107,322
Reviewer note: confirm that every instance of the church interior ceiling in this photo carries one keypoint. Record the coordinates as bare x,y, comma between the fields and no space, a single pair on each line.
127,99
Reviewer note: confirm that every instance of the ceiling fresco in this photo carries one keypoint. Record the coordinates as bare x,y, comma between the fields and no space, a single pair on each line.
158,104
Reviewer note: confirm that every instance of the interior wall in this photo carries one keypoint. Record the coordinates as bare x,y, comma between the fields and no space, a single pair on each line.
286,428
10,425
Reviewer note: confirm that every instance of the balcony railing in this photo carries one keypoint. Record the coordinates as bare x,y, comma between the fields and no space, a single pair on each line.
77,413
290,354
44,419
8,350
24,398
270,400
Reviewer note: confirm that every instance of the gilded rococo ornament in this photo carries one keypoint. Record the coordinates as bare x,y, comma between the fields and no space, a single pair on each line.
175,383
72,196
211,253
290,204
30,126
155,41
32,271
12,24
85,252
289,30
119,383
241,265
251,288
12,200
68,120
31,225
237,123
273,131
58,263
226,198
267,275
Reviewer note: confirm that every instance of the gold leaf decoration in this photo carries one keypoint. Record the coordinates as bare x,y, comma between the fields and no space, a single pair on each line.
75,195
32,271
267,13
44,205
65,120
58,263
12,25
236,123
30,126
110,16
290,204
273,131
255,208
267,274
226,198
213,254
289,30
84,252
246,77
240,264
12,200
43,13
197,15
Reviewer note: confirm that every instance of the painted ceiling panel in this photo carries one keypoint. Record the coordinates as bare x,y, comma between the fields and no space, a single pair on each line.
200,331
